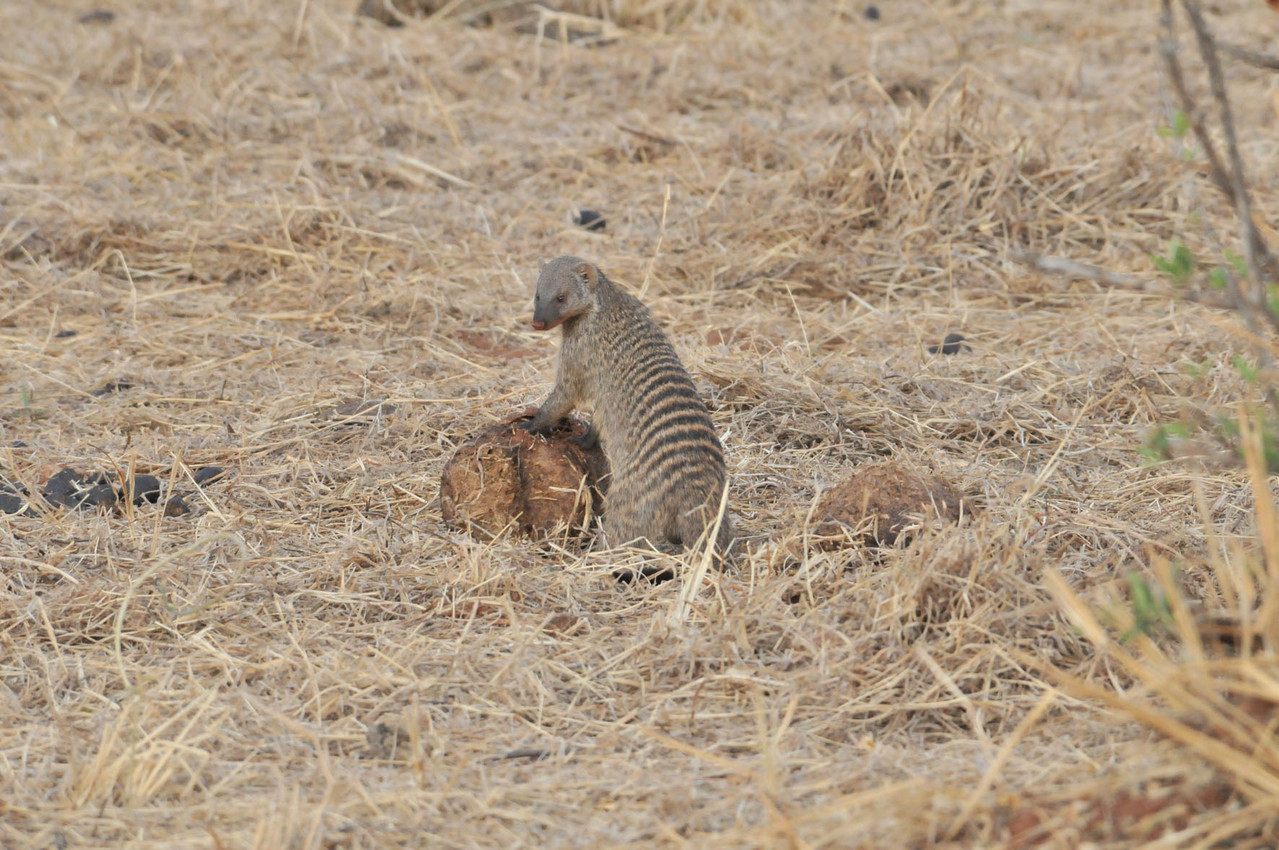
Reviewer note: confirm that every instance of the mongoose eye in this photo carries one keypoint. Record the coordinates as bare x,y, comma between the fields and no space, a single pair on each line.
559,299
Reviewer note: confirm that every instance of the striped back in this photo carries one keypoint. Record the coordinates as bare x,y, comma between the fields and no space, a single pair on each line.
651,415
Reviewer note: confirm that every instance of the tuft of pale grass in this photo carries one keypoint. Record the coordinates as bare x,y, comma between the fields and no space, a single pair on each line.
1216,702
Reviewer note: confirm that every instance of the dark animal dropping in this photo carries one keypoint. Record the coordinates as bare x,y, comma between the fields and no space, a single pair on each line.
146,488
71,489
97,16
952,344
589,219
116,386
13,498
208,475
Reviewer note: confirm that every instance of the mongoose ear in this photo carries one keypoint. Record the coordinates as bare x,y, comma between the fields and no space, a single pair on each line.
541,263
588,273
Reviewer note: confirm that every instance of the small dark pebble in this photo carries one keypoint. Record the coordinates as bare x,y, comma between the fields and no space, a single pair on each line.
146,488
118,385
64,334
872,13
175,506
589,219
18,444
97,16
952,344
208,475
71,489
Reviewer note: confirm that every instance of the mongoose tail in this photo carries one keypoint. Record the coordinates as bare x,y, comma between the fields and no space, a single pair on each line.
667,463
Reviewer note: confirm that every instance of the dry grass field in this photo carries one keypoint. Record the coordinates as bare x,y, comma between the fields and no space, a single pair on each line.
222,222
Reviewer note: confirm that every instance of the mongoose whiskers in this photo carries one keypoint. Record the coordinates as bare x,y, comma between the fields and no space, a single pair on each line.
666,461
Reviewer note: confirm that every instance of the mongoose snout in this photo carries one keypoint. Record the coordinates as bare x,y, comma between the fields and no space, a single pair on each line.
563,296
668,473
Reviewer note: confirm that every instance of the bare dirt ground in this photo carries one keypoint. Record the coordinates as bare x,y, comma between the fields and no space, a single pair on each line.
242,216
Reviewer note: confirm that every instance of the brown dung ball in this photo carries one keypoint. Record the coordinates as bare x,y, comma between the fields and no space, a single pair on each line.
877,503
506,479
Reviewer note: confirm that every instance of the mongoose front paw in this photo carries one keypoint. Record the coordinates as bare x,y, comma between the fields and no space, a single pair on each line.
532,427
590,439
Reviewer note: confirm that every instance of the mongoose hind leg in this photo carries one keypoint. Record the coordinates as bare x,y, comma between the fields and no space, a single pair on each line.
697,525
623,529
626,526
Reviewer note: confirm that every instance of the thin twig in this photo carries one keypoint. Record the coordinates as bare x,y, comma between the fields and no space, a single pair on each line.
1169,48
1231,181
1073,269
644,134
1084,271
1256,251
1252,57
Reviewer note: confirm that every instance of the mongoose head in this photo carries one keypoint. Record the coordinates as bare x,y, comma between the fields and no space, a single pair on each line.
565,290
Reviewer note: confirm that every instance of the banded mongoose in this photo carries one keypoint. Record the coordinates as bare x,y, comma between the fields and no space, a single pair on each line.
666,462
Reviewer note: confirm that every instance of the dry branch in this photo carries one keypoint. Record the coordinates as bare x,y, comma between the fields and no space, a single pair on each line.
1230,180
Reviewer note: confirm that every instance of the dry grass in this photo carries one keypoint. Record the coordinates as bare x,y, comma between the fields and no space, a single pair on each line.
256,212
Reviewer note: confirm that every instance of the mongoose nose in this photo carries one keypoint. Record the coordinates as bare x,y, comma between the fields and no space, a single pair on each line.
539,325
